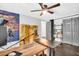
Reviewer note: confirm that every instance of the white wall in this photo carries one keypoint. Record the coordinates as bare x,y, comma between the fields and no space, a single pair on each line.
43,29
31,21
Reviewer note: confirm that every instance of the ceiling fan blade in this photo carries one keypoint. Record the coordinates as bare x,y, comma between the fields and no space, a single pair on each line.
42,6
50,12
41,14
35,10
56,5
45,6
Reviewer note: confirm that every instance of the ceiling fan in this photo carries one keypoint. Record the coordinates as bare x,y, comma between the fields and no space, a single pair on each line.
45,8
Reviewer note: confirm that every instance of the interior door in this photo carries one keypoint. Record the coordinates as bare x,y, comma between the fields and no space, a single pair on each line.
48,30
67,31
76,31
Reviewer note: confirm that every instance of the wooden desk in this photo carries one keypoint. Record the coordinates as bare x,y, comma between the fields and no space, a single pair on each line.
33,50
49,44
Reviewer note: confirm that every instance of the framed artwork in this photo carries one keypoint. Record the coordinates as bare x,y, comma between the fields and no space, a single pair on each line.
11,21
27,34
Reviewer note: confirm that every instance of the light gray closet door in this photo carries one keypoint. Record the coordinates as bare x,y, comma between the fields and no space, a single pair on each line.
67,31
76,31
71,31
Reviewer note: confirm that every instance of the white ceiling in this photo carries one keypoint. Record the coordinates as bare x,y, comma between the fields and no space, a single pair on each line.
65,9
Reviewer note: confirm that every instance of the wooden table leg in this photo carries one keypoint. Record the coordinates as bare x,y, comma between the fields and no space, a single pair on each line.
43,53
52,50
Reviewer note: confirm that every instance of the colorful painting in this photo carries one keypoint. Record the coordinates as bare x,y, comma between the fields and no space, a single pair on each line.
11,21
28,33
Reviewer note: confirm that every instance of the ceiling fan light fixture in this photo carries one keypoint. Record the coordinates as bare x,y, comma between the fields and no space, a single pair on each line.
44,12
45,9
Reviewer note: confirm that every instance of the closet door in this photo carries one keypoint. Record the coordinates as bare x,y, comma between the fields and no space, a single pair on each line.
67,31
76,31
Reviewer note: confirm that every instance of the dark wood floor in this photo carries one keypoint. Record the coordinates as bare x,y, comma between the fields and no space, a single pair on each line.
67,50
